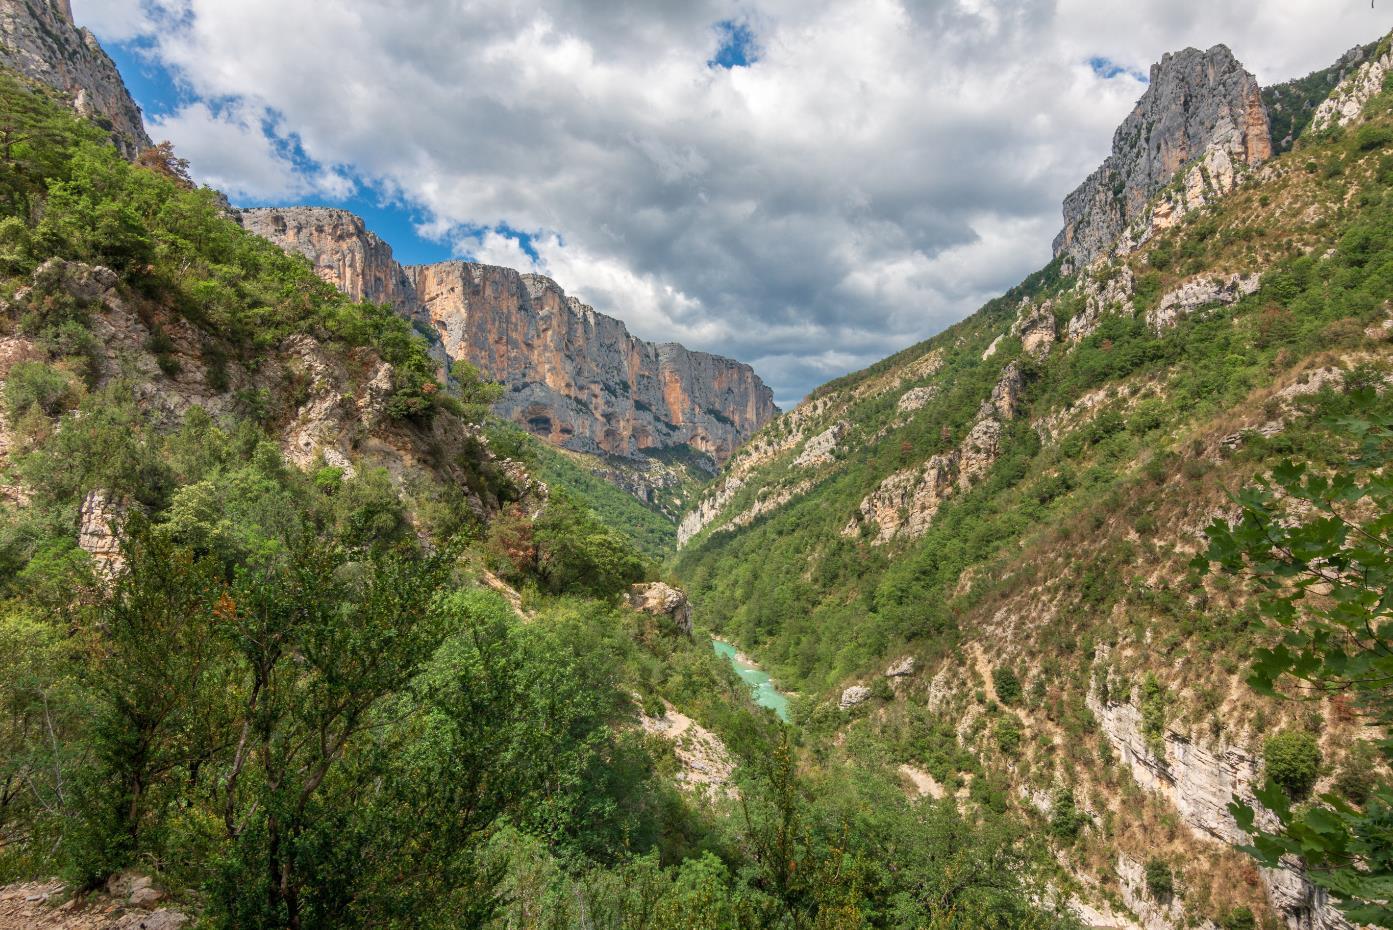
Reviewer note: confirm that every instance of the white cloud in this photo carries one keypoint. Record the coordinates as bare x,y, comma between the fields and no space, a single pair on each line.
884,166
230,150
113,20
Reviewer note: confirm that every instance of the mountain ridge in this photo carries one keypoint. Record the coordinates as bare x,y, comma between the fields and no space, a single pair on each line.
39,39
515,327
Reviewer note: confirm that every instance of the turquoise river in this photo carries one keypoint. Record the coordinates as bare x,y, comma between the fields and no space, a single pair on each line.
765,694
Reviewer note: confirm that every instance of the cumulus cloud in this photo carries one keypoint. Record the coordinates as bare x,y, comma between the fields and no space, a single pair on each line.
808,185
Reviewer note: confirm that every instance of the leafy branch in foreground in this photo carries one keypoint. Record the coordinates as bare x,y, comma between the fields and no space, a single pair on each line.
1318,550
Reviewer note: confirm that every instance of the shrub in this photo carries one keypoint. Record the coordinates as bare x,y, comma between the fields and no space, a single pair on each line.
1373,136
1008,734
1160,881
36,384
1358,775
1008,686
1240,918
1066,820
1154,701
1292,759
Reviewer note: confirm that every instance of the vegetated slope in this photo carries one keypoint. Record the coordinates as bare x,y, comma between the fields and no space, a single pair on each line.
1014,504
286,641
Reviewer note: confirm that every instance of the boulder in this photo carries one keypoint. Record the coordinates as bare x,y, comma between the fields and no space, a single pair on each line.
853,696
901,668
662,600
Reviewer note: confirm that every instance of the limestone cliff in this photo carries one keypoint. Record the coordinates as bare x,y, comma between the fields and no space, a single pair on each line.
39,39
575,377
1199,106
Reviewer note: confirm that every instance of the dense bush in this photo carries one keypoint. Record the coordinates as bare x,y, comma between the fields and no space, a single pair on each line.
1007,685
1292,758
1160,880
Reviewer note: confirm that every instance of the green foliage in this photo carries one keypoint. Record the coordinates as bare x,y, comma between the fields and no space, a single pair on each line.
1291,105
576,552
171,242
1007,685
652,531
1322,574
1292,758
1154,703
1372,136
35,384
1008,734
1359,775
1160,880
1240,918
1066,820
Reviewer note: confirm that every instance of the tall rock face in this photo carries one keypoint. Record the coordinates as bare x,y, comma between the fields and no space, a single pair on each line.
1199,105
575,377
39,39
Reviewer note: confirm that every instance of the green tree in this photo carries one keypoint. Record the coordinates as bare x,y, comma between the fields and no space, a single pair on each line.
156,684
1292,759
326,638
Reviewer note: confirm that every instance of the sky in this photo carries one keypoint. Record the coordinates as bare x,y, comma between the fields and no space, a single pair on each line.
804,185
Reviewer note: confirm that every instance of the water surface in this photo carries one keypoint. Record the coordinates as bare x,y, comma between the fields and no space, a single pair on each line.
765,694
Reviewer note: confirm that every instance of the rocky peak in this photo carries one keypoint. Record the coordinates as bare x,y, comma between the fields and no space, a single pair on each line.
575,377
1198,104
39,39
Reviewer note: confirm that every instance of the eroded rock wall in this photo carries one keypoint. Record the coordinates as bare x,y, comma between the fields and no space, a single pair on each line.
574,377
1199,105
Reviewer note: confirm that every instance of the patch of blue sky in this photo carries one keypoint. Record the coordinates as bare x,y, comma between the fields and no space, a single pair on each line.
738,46
1107,69
159,93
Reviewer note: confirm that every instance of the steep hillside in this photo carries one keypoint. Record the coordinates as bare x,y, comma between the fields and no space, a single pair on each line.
973,559
39,39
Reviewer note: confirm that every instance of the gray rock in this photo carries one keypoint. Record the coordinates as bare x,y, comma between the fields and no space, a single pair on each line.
157,920
1346,102
915,398
821,448
1037,328
1201,292
1195,101
856,694
900,668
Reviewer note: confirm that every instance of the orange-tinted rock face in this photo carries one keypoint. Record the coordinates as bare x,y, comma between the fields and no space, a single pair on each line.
575,377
